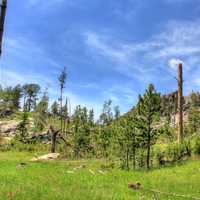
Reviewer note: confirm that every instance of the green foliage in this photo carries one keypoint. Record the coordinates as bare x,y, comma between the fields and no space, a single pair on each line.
30,92
9,100
128,140
197,145
177,152
105,128
41,113
62,80
168,132
148,109
194,120
22,128
55,109
107,116
82,131
160,157
51,180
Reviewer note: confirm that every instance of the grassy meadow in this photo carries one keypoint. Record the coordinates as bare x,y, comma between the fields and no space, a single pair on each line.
64,180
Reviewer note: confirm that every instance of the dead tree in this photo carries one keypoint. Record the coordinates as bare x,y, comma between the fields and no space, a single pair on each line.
2,21
180,104
54,134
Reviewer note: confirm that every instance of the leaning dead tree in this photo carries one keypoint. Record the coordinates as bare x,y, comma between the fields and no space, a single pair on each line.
2,21
55,135
180,103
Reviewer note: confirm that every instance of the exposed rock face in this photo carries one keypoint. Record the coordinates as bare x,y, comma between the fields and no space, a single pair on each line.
8,128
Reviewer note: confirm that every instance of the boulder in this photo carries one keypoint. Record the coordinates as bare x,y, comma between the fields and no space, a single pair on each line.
47,157
8,128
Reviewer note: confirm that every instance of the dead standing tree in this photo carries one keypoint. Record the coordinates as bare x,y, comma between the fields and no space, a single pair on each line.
180,103
2,21
56,134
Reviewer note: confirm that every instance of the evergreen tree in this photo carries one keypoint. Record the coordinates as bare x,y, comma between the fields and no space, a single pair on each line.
41,113
194,113
22,127
91,118
10,100
65,116
55,109
148,109
116,112
81,131
105,128
62,80
30,92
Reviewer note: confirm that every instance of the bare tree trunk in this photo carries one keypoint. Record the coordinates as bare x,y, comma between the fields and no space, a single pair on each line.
53,139
2,21
180,104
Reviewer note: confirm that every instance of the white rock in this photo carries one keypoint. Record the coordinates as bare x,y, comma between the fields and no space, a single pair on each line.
51,156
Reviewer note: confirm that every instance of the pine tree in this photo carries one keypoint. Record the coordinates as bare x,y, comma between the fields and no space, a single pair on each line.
148,108
55,109
105,129
22,127
62,80
41,113
30,92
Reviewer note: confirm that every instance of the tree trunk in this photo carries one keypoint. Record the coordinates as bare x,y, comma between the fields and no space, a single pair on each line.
127,158
2,21
133,151
53,139
61,111
180,104
148,154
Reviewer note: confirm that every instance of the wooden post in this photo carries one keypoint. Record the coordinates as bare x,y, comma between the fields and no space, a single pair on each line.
180,103
2,21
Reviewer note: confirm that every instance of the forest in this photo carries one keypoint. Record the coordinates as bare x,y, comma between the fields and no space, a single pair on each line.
143,137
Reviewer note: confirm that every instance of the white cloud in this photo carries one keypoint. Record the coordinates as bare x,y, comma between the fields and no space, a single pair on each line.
197,81
103,47
173,63
176,40
25,48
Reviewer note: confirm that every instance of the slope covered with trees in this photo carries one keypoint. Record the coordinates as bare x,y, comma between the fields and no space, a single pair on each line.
145,136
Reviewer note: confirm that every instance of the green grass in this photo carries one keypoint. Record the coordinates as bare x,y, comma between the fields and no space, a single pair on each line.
53,180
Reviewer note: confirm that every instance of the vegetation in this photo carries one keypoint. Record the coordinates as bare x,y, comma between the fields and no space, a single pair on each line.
65,180
143,138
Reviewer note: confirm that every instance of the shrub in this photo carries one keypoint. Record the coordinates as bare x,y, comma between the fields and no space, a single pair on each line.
178,152
197,145
160,157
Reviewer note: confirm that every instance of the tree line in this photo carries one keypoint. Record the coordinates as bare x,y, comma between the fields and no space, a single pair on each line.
130,137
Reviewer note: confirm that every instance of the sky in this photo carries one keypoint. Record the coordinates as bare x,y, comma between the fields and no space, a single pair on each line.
111,49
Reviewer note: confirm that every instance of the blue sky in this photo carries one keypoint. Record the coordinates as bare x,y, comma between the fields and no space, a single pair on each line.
112,48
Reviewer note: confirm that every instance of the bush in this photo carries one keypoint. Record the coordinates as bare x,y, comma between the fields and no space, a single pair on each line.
197,145
178,152
20,146
160,157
